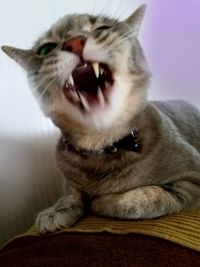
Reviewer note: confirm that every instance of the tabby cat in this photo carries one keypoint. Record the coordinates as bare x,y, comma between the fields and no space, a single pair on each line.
129,157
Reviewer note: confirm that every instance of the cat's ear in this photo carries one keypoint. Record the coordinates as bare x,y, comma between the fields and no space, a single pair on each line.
21,56
135,20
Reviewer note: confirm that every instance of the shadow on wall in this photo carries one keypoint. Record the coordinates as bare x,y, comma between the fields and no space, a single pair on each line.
29,181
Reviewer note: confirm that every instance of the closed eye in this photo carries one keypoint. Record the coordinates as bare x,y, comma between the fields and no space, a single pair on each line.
103,27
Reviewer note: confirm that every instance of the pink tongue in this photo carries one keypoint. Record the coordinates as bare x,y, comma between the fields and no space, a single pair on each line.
85,80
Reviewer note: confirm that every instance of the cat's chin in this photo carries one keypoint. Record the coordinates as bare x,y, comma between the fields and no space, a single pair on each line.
89,86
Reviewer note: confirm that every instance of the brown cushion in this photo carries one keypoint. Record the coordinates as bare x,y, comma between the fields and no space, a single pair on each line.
182,228
104,249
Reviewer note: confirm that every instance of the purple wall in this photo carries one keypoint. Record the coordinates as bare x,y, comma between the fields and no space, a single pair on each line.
171,40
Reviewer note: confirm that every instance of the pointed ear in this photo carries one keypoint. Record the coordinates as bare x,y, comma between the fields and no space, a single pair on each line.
135,20
21,56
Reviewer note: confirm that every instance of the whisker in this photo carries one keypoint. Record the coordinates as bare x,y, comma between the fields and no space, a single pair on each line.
122,40
119,7
46,89
104,10
52,97
37,85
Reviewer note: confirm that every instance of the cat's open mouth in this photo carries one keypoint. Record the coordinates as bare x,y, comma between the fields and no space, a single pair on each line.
89,86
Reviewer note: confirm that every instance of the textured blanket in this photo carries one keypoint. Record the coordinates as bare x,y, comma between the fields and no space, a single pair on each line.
96,241
182,228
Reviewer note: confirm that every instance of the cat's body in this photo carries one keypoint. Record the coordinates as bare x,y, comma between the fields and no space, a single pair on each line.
106,173
97,109
169,160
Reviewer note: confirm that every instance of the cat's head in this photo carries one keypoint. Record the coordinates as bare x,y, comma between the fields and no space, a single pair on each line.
88,70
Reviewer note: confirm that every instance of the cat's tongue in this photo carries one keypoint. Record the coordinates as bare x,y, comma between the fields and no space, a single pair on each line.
85,80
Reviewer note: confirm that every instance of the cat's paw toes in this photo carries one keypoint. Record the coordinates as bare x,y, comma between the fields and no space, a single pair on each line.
51,220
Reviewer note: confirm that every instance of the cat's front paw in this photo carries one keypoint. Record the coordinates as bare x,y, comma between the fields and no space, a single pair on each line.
51,219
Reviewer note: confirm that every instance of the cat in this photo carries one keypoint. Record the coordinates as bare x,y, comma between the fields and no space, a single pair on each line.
130,157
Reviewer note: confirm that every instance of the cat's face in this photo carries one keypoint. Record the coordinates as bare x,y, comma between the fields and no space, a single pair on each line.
88,70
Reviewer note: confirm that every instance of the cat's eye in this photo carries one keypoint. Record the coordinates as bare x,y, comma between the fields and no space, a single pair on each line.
103,27
45,49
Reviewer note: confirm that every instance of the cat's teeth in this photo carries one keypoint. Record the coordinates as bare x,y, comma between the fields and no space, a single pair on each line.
74,95
107,84
96,69
100,97
71,80
101,71
84,102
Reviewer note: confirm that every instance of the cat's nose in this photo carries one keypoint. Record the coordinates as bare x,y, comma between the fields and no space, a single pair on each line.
75,45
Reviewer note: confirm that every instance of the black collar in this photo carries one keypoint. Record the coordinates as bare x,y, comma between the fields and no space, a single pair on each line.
129,143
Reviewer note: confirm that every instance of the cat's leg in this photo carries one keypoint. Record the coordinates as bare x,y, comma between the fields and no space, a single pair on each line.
64,213
148,202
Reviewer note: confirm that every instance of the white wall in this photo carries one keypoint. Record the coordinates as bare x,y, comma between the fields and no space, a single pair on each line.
171,39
